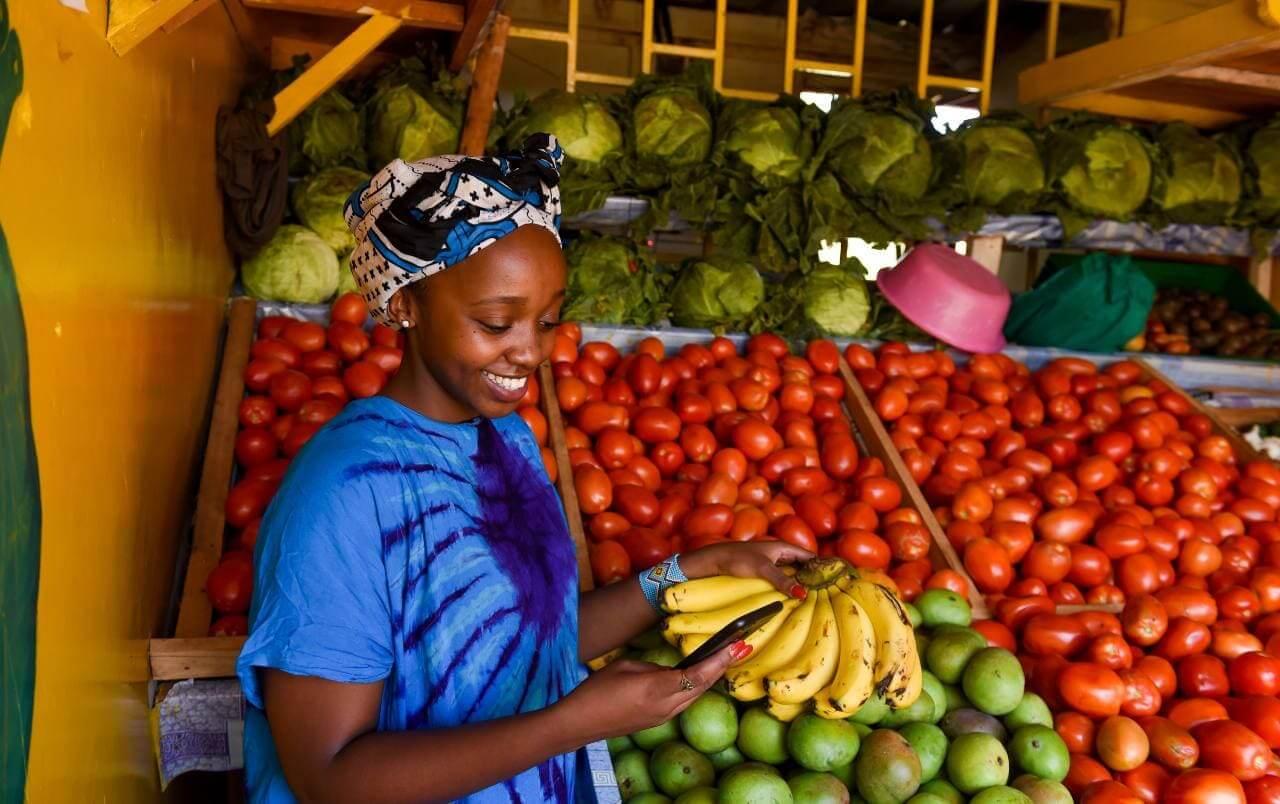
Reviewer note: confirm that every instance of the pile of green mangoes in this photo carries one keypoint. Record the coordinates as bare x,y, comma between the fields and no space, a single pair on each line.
975,735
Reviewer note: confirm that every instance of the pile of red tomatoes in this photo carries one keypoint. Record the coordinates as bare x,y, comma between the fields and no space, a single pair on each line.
1173,700
1073,484
706,445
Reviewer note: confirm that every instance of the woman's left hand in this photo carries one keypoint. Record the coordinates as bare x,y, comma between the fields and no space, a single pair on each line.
747,560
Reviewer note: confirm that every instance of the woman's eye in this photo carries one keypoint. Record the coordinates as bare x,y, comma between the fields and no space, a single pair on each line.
496,329
548,326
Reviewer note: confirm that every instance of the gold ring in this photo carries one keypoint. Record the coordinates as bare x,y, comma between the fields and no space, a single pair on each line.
685,683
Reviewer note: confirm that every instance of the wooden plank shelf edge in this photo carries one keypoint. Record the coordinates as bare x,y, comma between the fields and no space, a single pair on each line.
179,659
195,614
881,446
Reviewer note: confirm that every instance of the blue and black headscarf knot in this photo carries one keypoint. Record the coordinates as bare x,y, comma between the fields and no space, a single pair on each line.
414,219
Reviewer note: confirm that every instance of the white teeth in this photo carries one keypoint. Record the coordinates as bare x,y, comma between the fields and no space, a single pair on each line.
509,383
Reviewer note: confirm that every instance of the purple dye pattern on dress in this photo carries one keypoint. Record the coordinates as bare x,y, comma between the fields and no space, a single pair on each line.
514,504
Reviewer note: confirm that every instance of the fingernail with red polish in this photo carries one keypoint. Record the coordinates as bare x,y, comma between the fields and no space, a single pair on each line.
740,650
799,592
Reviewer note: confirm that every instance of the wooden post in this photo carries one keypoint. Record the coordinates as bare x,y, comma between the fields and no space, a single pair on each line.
1260,274
987,250
484,87
564,475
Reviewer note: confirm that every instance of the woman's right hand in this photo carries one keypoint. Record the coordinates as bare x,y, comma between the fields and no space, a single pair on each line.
628,696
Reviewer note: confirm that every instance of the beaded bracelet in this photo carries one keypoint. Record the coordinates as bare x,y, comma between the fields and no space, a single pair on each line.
660,577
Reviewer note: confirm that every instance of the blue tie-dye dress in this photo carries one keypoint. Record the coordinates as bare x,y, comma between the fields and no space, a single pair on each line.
433,557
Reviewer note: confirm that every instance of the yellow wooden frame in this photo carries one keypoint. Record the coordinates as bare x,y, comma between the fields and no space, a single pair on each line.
853,69
925,79
1094,78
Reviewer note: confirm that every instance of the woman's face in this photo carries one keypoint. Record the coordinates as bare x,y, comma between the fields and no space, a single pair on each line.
481,329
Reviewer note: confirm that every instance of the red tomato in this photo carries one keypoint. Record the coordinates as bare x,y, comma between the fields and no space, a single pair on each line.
230,586
1092,689
322,363
609,563
305,336
1191,712
756,439
1203,676
349,307
388,359
793,530
1228,746
1054,635
257,411
1255,674
364,380
1203,786
1184,638
595,492
988,564
275,349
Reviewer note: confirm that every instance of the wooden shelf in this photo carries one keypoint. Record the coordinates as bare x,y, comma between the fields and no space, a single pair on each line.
1209,69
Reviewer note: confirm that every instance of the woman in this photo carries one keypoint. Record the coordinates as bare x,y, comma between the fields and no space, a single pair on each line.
417,632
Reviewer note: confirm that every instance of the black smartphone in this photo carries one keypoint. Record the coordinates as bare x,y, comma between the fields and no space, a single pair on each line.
740,628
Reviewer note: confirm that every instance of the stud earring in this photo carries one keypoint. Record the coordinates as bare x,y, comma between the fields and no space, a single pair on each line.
405,323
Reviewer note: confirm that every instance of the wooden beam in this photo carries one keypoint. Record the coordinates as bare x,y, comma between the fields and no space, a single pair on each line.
192,11
194,611
1144,109
330,69
986,250
1218,33
1233,77
128,25
564,475
284,49
416,13
203,657
478,15
484,88
1262,274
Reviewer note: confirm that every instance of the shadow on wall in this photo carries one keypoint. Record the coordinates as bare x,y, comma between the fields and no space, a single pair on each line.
19,489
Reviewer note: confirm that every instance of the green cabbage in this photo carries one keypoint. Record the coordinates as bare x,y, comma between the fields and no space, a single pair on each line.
331,131
1198,180
672,127
609,283
1263,158
1002,167
717,292
318,202
294,266
835,300
770,141
878,148
583,125
1102,169
411,125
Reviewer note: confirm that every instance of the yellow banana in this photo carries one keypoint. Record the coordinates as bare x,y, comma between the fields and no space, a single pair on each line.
779,650
709,594
601,662
784,712
749,691
708,622
898,674
691,642
823,707
854,679
815,665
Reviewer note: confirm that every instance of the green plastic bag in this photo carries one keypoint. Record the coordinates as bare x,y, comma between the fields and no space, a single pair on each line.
1096,303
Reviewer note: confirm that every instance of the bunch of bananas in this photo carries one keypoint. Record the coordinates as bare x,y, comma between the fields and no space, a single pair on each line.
847,640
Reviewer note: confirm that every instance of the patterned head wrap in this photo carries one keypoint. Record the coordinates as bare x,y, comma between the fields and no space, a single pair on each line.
414,219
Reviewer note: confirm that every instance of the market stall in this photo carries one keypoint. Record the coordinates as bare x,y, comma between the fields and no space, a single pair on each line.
1046,560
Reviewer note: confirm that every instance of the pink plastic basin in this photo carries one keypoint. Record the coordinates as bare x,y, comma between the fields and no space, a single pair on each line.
949,296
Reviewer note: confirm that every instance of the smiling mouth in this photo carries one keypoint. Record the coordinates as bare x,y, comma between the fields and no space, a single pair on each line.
506,383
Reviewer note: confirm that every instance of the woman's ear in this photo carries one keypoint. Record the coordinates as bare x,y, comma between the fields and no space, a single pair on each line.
401,308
